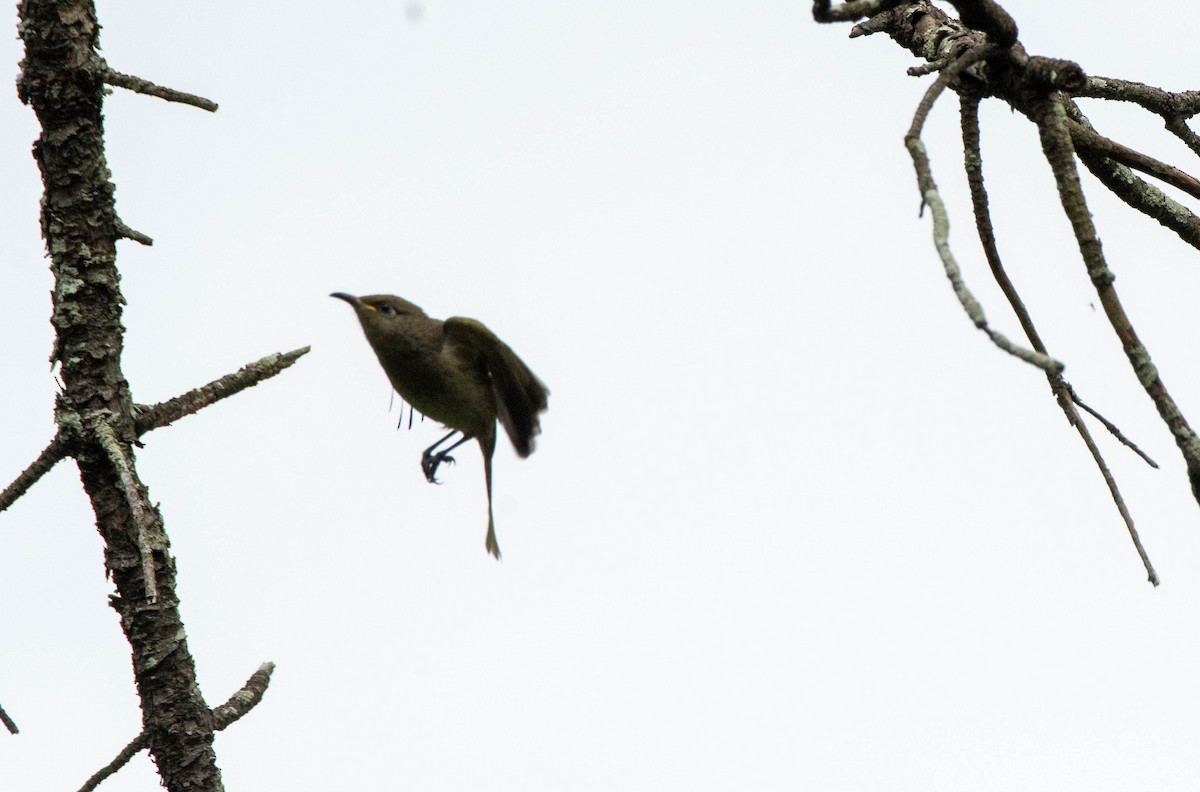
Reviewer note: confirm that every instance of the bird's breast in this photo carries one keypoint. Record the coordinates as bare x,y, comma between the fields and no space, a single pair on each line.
439,384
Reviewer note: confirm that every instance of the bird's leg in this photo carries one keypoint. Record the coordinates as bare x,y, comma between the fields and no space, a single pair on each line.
432,457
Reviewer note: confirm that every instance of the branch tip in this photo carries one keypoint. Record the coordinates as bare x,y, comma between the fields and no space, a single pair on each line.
138,85
164,413
125,232
8,722
50,456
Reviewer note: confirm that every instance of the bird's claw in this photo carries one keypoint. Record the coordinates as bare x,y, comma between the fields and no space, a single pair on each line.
429,466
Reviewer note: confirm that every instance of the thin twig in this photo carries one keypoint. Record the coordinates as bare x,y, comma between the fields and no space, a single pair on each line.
46,460
973,164
142,741
1063,392
1154,99
1112,428
125,232
1174,108
983,223
1151,575
138,85
941,221
133,498
1180,129
1144,197
1137,192
1086,138
240,703
164,413
8,722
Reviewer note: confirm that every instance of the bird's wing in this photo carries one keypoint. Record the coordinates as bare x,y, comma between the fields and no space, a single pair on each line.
520,395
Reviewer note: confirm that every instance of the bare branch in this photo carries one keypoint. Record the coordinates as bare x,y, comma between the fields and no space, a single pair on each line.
1179,128
246,699
1135,191
8,722
125,232
1063,392
1151,575
941,221
1056,144
973,165
1144,197
980,56
138,85
141,742
1174,108
1156,100
1112,429
1084,137
161,414
225,715
164,413
46,460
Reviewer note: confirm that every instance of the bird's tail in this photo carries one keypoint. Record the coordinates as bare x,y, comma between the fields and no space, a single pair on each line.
490,543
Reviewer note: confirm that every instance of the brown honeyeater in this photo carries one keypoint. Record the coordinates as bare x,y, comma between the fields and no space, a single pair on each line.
457,372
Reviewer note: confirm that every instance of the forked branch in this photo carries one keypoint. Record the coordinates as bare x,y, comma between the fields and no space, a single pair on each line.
979,56
1063,392
238,705
149,418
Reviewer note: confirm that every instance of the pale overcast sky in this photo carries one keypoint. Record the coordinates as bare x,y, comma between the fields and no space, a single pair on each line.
793,522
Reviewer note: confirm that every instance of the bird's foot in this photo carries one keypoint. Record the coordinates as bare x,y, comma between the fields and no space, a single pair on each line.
430,462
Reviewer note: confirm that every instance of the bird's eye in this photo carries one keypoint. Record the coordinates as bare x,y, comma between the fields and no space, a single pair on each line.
386,310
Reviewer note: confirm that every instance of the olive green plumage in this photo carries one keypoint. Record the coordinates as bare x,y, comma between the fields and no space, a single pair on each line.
457,372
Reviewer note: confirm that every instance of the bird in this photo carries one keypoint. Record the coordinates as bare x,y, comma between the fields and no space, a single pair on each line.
457,372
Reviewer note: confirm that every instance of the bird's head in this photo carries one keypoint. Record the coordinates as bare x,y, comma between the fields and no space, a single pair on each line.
380,309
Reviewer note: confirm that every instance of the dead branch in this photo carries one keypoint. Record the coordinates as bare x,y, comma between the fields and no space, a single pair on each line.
979,56
941,221
138,85
164,413
1135,191
62,77
1085,137
8,722
136,745
1056,145
1174,108
46,460
149,418
125,232
238,705
1063,392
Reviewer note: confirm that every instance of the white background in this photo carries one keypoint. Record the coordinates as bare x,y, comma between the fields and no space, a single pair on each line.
793,523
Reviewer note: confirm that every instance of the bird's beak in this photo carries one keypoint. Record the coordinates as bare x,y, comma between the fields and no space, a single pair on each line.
350,298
